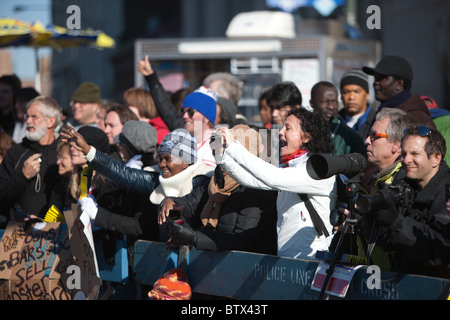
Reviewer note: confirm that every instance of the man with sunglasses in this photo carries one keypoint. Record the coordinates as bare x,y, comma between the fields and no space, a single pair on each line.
419,234
197,115
393,76
383,146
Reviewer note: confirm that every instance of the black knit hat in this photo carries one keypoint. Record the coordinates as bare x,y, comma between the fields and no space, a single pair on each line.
95,137
392,66
357,77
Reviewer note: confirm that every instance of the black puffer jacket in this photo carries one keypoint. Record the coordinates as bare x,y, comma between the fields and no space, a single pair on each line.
247,222
131,179
139,182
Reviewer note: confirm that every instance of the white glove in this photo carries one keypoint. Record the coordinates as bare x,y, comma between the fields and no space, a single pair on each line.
135,162
89,205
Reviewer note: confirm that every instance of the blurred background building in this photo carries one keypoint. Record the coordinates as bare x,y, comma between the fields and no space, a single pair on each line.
418,30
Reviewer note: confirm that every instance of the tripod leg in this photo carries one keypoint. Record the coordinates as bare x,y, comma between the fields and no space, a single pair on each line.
336,255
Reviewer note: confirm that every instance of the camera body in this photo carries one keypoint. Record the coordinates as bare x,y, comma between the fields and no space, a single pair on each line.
401,194
175,215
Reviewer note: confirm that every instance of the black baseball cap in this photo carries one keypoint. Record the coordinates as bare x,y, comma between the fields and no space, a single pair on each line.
392,66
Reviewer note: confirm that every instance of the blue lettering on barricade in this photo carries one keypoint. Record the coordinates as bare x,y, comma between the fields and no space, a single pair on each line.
244,275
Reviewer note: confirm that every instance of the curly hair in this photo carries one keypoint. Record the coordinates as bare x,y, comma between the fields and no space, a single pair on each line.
313,124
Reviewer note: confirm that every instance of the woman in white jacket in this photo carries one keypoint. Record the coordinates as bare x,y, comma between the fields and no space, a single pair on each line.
303,133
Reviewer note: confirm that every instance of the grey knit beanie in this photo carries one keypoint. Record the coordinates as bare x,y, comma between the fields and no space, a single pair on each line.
179,144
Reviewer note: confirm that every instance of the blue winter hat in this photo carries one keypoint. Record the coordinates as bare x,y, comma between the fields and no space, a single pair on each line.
204,101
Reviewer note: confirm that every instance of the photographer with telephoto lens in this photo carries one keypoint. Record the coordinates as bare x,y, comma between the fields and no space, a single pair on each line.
383,146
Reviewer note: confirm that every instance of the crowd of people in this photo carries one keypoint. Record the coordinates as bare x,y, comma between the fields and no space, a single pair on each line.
187,168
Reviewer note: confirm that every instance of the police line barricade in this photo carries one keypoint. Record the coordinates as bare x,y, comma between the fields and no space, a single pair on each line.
117,271
252,276
49,260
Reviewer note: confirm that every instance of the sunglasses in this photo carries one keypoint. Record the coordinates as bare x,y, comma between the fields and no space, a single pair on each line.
422,131
190,112
375,136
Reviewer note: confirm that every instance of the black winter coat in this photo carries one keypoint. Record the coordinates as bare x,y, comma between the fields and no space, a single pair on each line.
139,185
247,222
421,236
32,195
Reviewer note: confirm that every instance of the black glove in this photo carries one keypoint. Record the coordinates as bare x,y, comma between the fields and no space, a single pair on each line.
181,233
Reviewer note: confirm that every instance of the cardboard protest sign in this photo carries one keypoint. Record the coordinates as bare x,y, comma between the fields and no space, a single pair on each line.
49,261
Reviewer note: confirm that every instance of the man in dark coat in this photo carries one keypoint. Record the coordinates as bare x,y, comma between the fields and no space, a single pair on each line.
392,85
418,233
29,172
357,113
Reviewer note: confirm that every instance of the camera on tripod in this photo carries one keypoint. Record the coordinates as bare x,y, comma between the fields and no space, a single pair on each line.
401,195
322,166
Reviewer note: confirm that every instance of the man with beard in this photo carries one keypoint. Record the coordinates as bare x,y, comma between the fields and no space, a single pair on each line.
29,171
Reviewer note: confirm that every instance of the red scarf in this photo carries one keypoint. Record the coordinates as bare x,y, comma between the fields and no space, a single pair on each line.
294,155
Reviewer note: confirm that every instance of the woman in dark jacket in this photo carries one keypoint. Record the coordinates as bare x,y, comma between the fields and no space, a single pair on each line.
145,182
233,218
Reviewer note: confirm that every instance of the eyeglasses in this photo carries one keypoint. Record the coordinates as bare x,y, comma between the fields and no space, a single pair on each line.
375,136
422,131
190,112
32,116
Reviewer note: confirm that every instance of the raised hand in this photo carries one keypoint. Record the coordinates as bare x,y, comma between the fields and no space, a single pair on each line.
145,67
74,139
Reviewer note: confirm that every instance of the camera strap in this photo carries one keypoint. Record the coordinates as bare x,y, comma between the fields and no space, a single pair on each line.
315,218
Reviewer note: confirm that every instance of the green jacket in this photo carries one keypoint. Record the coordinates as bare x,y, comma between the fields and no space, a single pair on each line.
345,139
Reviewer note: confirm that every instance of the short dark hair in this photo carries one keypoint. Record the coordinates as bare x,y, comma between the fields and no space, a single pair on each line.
11,80
284,94
406,82
436,142
319,84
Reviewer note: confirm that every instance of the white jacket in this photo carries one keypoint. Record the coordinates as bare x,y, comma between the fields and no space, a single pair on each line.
297,237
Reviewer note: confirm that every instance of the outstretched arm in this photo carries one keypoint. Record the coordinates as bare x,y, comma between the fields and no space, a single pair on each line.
163,104
135,180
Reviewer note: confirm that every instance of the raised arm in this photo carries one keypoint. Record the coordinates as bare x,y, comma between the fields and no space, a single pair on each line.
293,179
135,180
163,104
